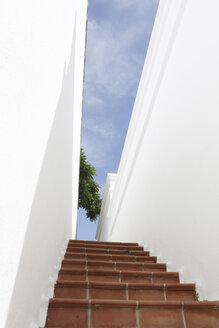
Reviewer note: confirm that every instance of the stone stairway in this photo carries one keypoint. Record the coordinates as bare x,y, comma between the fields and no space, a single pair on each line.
119,285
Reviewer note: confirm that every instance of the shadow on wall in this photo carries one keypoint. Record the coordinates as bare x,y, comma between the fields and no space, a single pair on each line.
50,220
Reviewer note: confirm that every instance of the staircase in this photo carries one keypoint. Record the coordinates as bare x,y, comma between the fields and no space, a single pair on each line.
119,285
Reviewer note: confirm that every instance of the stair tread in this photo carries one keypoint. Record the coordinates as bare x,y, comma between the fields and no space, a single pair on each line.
130,257
83,250
114,272
110,256
84,284
150,260
199,305
114,265
68,260
102,242
107,246
113,284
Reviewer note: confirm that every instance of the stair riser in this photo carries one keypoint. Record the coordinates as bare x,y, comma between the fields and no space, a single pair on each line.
113,247
93,242
93,250
108,257
105,285
126,268
124,294
155,267
147,278
173,316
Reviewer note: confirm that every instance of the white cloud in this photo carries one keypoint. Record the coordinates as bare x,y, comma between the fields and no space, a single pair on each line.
104,129
139,5
113,61
95,151
110,64
92,101
98,137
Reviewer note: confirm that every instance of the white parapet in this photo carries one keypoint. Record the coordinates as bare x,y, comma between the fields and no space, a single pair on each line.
166,194
42,49
104,220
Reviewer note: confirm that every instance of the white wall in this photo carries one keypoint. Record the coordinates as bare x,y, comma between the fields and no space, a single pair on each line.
42,47
105,215
167,191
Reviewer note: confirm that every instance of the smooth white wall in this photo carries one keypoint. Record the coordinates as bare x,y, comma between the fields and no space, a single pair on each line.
167,191
42,47
105,215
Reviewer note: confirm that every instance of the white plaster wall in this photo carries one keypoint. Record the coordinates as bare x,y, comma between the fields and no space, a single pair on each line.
167,191
42,45
105,215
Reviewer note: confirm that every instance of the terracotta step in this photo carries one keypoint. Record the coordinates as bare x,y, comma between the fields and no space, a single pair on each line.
65,313
101,242
109,257
141,253
123,291
107,246
84,250
88,264
118,276
108,284
141,266
114,265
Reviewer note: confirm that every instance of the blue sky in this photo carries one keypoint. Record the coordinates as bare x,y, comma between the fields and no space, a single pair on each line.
117,40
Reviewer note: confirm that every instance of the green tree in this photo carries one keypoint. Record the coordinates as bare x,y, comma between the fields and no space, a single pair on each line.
89,198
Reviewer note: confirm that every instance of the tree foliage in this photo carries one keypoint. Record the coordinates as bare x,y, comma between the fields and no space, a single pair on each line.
89,198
